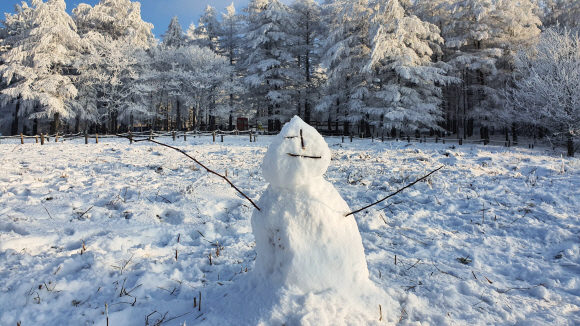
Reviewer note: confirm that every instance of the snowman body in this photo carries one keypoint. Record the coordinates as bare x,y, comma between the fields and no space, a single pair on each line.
303,238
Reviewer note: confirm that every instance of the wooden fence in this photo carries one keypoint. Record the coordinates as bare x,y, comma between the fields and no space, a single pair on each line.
252,137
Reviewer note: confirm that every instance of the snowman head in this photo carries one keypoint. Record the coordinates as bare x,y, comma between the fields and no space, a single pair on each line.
296,156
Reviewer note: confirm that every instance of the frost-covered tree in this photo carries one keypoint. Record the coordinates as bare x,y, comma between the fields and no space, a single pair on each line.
405,91
173,37
306,15
194,78
562,12
346,51
208,29
230,42
387,54
270,66
116,18
38,66
111,68
481,37
487,33
547,93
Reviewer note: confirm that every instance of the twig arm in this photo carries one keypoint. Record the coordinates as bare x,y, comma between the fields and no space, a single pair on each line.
203,166
396,192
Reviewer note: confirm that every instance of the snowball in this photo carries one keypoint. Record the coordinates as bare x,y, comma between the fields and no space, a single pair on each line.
312,156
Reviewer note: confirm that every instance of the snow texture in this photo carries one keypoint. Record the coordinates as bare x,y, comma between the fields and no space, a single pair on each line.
511,213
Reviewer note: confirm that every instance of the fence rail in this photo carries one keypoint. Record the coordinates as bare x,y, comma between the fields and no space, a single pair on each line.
253,137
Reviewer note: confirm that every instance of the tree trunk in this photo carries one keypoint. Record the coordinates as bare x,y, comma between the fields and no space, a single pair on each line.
55,124
14,130
178,117
306,111
570,146
35,127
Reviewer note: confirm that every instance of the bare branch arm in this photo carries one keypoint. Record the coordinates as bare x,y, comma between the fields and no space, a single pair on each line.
396,192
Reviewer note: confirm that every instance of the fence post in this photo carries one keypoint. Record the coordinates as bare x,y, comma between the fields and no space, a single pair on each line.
372,138
408,139
21,138
460,141
185,136
509,143
173,134
383,137
96,138
86,138
351,137
130,137
222,138
343,139
250,136
36,139
255,138
56,138
41,139
436,139
213,133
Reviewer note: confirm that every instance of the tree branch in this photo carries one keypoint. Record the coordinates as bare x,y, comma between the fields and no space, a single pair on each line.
196,161
396,192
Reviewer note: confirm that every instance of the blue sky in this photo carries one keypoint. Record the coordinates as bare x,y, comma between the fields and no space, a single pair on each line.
158,12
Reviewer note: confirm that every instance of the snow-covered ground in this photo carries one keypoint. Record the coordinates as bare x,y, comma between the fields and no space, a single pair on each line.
493,238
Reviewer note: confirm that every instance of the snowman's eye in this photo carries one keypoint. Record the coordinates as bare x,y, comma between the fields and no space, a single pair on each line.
301,138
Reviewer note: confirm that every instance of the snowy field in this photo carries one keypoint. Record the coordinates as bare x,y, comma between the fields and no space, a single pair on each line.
491,239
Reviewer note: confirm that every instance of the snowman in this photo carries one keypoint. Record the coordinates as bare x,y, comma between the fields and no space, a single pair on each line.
303,238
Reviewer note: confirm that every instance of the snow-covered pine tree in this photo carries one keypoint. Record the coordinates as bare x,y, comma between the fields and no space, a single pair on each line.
208,29
306,15
404,92
38,66
547,91
173,37
172,40
13,25
230,41
347,49
116,18
270,67
487,33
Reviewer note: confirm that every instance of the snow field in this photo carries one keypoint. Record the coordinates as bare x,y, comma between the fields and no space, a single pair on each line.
511,214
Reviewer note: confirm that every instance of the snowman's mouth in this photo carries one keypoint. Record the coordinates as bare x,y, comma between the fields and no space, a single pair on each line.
304,156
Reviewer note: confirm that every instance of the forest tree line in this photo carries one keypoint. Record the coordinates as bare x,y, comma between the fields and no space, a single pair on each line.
462,67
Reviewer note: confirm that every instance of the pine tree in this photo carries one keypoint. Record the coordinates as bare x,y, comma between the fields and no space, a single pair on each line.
116,18
346,49
405,89
270,67
38,66
306,14
208,29
173,37
230,41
